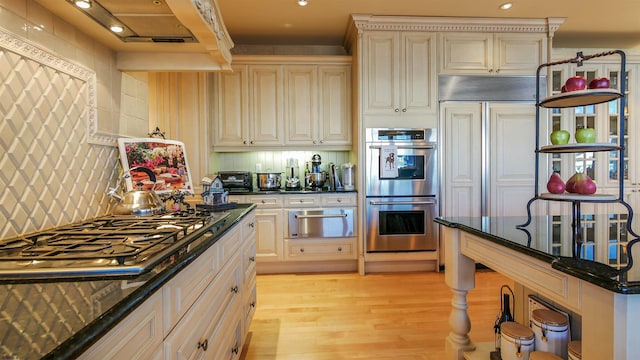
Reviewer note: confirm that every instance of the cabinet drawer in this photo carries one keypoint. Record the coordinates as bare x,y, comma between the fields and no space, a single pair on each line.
302,201
249,260
266,201
249,226
230,245
321,249
183,290
250,303
197,328
227,338
338,200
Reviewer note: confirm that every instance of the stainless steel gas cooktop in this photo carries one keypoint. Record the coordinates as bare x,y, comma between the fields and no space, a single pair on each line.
104,247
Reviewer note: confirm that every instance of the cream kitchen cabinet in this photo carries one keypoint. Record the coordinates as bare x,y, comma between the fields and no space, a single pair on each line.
248,107
491,53
318,105
399,74
269,231
273,103
199,313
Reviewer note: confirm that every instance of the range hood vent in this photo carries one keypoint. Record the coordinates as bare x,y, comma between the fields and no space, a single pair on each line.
141,21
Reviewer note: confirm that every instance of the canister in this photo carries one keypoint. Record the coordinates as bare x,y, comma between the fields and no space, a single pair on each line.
575,350
516,341
551,331
543,355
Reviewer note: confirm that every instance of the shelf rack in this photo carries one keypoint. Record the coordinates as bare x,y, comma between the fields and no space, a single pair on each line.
575,99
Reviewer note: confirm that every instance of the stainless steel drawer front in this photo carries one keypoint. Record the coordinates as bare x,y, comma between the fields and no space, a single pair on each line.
324,223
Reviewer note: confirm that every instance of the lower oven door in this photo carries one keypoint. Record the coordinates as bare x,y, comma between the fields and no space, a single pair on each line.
320,223
401,224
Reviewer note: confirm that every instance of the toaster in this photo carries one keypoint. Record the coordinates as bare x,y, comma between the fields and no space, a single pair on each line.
236,180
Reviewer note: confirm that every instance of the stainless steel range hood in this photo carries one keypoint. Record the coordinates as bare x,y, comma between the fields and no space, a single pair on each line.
158,35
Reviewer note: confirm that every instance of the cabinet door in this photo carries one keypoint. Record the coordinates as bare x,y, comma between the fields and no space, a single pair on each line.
466,53
302,104
462,126
231,127
334,126
417,91
518,54
266,102
381,72
139,336
269,234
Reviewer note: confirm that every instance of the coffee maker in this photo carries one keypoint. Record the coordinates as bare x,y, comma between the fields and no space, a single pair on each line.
292,175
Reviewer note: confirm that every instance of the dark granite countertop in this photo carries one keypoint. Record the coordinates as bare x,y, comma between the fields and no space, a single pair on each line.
60,320
290,192
597,259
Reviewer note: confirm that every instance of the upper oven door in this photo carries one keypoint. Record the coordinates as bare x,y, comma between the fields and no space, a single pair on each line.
416,165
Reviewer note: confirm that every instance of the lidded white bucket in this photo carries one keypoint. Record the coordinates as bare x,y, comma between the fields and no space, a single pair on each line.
575,350
551,330
516,341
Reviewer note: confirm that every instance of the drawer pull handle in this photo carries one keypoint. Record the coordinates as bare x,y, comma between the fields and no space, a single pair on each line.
251,225
252,258
301,250
235,349
320,216
203,344
253,304
235,289
340,249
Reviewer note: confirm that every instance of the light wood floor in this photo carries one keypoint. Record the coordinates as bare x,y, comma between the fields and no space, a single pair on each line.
377,316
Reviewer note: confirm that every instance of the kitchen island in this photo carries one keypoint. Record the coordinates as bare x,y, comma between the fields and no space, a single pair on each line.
67,319
541,259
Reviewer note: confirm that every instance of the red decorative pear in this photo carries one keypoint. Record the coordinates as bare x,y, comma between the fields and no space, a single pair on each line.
581,183
555,185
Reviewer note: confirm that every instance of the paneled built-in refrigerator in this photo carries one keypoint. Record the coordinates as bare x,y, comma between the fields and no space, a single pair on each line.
488,136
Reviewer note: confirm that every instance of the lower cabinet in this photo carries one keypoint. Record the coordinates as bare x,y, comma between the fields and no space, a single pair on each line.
204,312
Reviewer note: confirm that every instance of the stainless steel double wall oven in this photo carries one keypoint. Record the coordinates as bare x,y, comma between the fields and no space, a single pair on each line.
401,190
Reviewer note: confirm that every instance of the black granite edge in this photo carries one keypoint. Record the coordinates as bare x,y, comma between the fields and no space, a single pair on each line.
580,270
75,345
498,240
292,192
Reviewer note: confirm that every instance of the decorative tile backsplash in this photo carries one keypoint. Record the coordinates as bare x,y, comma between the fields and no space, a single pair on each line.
55,167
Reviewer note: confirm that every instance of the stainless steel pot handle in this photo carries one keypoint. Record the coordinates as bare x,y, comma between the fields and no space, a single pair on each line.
320,216
402,202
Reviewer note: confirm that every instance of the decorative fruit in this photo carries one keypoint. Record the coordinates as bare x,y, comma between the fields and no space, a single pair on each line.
559,137
599,83
575,83
585,135
580,183
555,185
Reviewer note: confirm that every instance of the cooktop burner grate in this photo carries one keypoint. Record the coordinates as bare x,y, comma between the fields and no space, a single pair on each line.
106,241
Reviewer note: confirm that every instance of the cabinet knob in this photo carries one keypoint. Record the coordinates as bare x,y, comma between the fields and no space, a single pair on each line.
404,110
301,201
252,258
235,289
252,225
396,110
490,70
321,141
302,250
253,304
314,142
203,344
263,201
340,249
339,200
497,71
235,349
251,142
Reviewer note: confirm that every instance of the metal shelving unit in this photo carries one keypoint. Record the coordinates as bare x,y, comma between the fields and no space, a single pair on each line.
576,99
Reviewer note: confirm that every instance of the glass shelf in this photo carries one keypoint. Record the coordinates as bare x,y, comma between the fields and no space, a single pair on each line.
578,147
580,98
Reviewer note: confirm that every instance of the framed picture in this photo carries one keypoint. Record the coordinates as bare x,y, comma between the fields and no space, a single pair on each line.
166,160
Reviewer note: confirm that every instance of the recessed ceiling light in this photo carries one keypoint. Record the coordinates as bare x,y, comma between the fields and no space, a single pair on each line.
506,6
83,4
302,2
116,28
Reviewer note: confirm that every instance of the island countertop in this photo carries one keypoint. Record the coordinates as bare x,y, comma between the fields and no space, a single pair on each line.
548,238
59,320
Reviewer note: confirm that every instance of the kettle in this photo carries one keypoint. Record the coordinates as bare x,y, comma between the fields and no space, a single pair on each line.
139,202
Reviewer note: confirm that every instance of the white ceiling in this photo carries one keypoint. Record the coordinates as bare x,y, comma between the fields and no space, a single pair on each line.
589,23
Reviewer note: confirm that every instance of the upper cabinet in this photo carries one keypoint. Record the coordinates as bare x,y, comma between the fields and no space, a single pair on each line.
275,102
492,54
399,73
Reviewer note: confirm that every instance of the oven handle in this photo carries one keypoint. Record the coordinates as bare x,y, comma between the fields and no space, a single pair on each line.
432,202
320,216
426,147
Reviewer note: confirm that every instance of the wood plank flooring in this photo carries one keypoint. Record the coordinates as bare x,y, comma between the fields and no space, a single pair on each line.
377,316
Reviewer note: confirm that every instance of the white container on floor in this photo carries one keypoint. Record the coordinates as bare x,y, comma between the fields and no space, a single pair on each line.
516,341
551,331
543,355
